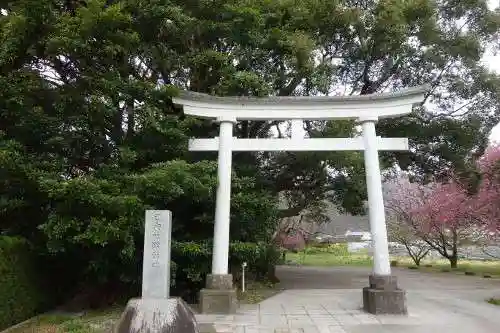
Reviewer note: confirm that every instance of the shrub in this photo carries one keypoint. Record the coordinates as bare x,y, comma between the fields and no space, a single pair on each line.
192,262
319,245
20,296
394,263
339,249
413,267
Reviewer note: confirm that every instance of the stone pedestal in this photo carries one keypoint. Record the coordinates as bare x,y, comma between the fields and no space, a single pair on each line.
157,315
384,297
219,297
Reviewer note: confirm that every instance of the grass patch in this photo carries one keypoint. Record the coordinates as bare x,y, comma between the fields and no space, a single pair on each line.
329,259
256,292
494,301
338,256
91,322
467,267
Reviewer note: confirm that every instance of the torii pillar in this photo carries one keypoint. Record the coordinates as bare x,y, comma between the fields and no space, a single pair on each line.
382,295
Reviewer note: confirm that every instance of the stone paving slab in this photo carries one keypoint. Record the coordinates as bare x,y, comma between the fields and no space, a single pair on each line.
435,305
338,311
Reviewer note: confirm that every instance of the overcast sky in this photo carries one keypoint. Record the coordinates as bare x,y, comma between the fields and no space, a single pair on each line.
493,62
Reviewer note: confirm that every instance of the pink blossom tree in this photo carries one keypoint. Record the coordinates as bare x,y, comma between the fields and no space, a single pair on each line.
290,234
448,215
486,201
438,214
401,197
487,198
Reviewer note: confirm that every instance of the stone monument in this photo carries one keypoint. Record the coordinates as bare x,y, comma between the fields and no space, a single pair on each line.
155,311
156,255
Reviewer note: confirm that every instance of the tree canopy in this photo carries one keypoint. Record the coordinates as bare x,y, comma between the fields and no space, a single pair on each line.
89,136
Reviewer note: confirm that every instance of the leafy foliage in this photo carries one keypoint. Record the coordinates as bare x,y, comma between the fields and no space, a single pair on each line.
20,292
193,262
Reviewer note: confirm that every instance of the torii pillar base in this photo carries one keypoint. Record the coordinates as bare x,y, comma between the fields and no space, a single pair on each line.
219,296
384,297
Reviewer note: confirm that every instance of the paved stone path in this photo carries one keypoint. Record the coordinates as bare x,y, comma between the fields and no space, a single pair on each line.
328,300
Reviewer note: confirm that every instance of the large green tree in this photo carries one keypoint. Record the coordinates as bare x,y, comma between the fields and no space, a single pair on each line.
90,138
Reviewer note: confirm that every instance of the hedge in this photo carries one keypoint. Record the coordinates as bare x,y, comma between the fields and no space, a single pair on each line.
192,262
21,282
20,297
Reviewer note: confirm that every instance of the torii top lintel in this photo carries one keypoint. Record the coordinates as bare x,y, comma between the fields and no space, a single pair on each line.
311,108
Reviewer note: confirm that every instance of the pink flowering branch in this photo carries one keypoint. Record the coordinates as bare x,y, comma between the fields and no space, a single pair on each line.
487,199
437,214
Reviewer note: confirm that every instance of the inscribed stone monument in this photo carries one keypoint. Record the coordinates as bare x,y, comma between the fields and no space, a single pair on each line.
155,312
156,263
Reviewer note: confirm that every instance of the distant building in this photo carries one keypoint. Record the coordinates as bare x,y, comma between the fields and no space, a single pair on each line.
339,228
359,235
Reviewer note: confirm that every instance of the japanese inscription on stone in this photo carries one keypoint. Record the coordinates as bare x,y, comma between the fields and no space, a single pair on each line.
156,260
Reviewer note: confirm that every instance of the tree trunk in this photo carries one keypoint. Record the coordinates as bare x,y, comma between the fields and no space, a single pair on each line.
454,255
130,119
271,274
417,260
117,129
453,261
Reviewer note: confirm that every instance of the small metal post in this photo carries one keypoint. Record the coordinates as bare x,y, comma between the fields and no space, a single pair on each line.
243,266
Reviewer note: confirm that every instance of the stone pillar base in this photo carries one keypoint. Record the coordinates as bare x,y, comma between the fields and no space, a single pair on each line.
157,315
384,297
219,297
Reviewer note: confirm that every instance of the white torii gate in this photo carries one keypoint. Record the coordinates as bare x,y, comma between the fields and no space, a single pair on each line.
367,109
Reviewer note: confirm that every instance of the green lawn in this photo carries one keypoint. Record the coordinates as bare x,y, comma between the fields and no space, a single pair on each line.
328,259
323,258
91,322
470,266
494,301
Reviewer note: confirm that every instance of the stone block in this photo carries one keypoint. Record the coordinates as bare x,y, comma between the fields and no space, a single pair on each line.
379,301
219,281
383,282
157,316
207,328
218,301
